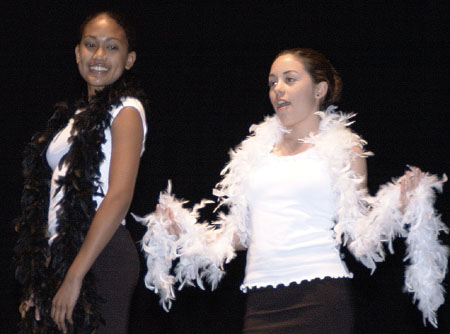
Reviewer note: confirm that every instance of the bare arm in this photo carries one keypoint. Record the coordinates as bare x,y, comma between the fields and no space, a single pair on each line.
408,182
127,135
359,166
238,246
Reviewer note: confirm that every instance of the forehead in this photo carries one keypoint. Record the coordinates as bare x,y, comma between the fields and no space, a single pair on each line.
287,63
104,26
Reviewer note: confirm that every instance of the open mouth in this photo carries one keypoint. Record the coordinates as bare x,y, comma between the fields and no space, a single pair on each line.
98,68
282,104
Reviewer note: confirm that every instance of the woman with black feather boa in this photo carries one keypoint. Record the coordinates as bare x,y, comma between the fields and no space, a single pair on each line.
75,260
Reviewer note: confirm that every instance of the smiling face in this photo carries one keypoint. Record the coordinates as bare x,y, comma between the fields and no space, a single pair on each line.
293,94
102,54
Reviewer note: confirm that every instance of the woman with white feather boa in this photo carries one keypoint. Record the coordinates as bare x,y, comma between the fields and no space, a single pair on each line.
295,191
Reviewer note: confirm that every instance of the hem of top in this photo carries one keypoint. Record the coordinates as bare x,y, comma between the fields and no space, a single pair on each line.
245,288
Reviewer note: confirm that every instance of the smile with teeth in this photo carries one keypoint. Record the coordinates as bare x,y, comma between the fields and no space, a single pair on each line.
98,68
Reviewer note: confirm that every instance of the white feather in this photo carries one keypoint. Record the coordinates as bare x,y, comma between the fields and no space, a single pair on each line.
427,257
363,222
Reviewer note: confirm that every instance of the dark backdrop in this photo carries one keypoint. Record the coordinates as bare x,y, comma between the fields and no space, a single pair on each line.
204,66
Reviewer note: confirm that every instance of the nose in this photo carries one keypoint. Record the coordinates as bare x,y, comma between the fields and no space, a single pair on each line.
99,53
278,89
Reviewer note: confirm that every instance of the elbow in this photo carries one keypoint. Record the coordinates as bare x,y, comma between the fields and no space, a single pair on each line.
237,244
118,202
239,248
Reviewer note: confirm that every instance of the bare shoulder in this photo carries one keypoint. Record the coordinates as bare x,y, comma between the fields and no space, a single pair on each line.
128,118
128,112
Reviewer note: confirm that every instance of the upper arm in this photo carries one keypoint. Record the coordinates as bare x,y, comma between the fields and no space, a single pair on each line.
127,139
359,164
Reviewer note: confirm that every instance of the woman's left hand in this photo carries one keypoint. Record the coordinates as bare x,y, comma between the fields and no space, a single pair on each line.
408,183
167,213
64,301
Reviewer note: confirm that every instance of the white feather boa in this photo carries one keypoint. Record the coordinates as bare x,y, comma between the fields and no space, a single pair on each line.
363,222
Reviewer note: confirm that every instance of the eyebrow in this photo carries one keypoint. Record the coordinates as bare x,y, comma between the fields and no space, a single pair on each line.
107,39
286,72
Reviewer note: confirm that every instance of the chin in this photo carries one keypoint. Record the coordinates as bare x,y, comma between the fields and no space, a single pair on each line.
286,123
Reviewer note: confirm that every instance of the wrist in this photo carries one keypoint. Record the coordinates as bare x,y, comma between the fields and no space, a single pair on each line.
74,275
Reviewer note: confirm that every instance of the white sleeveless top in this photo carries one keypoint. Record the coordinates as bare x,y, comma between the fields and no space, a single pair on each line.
59,146
291,207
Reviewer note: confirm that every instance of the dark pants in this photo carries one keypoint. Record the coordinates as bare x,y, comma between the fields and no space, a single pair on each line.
116,272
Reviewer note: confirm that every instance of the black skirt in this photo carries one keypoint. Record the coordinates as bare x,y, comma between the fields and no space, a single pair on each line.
318,306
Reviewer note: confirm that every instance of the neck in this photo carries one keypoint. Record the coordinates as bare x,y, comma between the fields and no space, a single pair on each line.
290,144
91,92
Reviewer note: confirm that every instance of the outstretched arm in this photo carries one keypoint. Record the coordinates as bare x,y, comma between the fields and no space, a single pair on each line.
201,248
405,207
127,136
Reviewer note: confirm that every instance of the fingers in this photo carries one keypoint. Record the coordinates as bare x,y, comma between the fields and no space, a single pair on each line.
62,326
54,313
174,229
69,315
25,306
37,315
411,179
408,183
418,174
58,314
169,213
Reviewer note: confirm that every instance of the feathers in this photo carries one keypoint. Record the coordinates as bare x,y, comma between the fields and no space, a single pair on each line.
363,222
40,268
382,223
200,256
427,257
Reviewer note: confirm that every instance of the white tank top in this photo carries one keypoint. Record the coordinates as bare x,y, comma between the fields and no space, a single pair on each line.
291,206
59,146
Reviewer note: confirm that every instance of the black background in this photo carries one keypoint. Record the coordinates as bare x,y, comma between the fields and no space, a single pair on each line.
204,66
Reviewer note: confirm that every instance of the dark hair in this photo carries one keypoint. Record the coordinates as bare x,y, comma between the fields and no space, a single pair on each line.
120,19
320,69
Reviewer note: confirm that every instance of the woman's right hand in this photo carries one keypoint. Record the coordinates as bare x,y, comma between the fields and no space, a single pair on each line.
409,183
173,228
25,306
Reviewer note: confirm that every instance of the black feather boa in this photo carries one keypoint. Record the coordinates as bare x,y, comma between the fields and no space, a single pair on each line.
41,268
